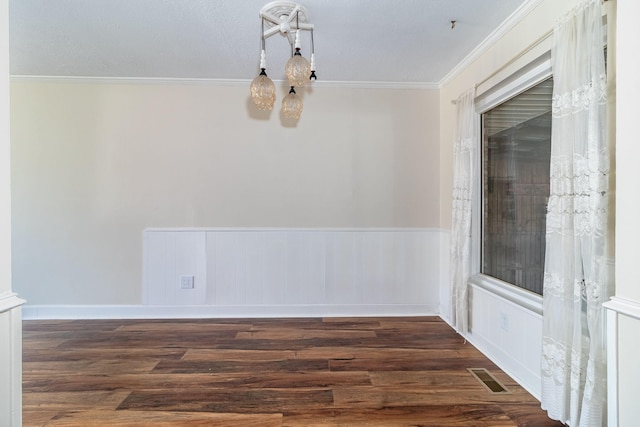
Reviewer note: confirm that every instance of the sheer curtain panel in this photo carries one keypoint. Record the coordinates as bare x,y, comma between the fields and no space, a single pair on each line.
575,275
465,144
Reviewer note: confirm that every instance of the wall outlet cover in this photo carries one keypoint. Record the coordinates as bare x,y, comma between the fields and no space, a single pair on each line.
187,282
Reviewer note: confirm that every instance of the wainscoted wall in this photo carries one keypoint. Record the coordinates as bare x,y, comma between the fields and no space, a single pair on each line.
504,324
10,359
623,335
10,304
445,278
295,271
509,334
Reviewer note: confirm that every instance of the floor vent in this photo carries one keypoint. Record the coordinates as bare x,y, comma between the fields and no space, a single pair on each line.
488,380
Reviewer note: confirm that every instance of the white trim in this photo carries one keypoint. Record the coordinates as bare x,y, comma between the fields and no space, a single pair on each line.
220,82
524,77
33,312
509,292
611,326
624,306
281,229
514,19
11,357
444,278
9,301
379,85
518,80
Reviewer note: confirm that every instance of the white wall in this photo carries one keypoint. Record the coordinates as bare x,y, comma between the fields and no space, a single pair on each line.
5,170
628,151
10,312
626,345
96,163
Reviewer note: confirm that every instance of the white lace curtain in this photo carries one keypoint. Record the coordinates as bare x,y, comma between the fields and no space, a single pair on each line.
575,276
464,176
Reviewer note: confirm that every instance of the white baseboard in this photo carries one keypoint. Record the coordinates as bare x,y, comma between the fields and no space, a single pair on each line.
505,363
36,312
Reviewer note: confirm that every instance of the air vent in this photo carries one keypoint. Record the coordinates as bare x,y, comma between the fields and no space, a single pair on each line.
488,380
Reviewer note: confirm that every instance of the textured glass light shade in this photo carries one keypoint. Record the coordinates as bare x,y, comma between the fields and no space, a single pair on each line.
292,105
298,70
263,92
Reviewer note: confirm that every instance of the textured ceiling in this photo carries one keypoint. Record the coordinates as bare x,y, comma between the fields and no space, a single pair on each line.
401,41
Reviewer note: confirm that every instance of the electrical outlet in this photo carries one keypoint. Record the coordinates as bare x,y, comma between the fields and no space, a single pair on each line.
504,322
186,282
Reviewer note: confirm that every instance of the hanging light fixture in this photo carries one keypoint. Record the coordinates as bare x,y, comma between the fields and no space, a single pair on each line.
288,19
263,91
298,69
292,105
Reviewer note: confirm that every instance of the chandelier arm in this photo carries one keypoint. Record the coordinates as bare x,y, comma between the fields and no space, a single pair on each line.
271,18
274,30
293,14
271,31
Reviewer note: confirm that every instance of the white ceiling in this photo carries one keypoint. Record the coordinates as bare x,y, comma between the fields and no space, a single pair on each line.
391,41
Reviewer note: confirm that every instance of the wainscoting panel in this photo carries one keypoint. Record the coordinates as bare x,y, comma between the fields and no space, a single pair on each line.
10,359
509,334
167,257
293,267
623,353
445,278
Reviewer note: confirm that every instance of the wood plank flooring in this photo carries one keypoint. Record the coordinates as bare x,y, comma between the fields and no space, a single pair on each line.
262,372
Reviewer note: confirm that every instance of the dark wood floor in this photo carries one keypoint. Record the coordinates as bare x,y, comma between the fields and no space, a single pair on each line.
262,372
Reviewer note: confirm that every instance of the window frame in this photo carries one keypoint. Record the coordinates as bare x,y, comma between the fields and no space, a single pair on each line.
517,82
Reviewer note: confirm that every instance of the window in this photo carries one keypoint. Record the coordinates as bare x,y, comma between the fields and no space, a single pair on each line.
516,148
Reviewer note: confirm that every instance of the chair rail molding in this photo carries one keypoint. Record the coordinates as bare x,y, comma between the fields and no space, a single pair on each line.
9,301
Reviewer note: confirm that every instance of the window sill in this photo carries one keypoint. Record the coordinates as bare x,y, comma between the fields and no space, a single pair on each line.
521,297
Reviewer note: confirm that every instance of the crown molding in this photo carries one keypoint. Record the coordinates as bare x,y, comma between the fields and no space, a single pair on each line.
380,85
507,25
218,82
128,80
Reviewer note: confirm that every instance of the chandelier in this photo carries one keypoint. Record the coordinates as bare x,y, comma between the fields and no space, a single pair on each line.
288,19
